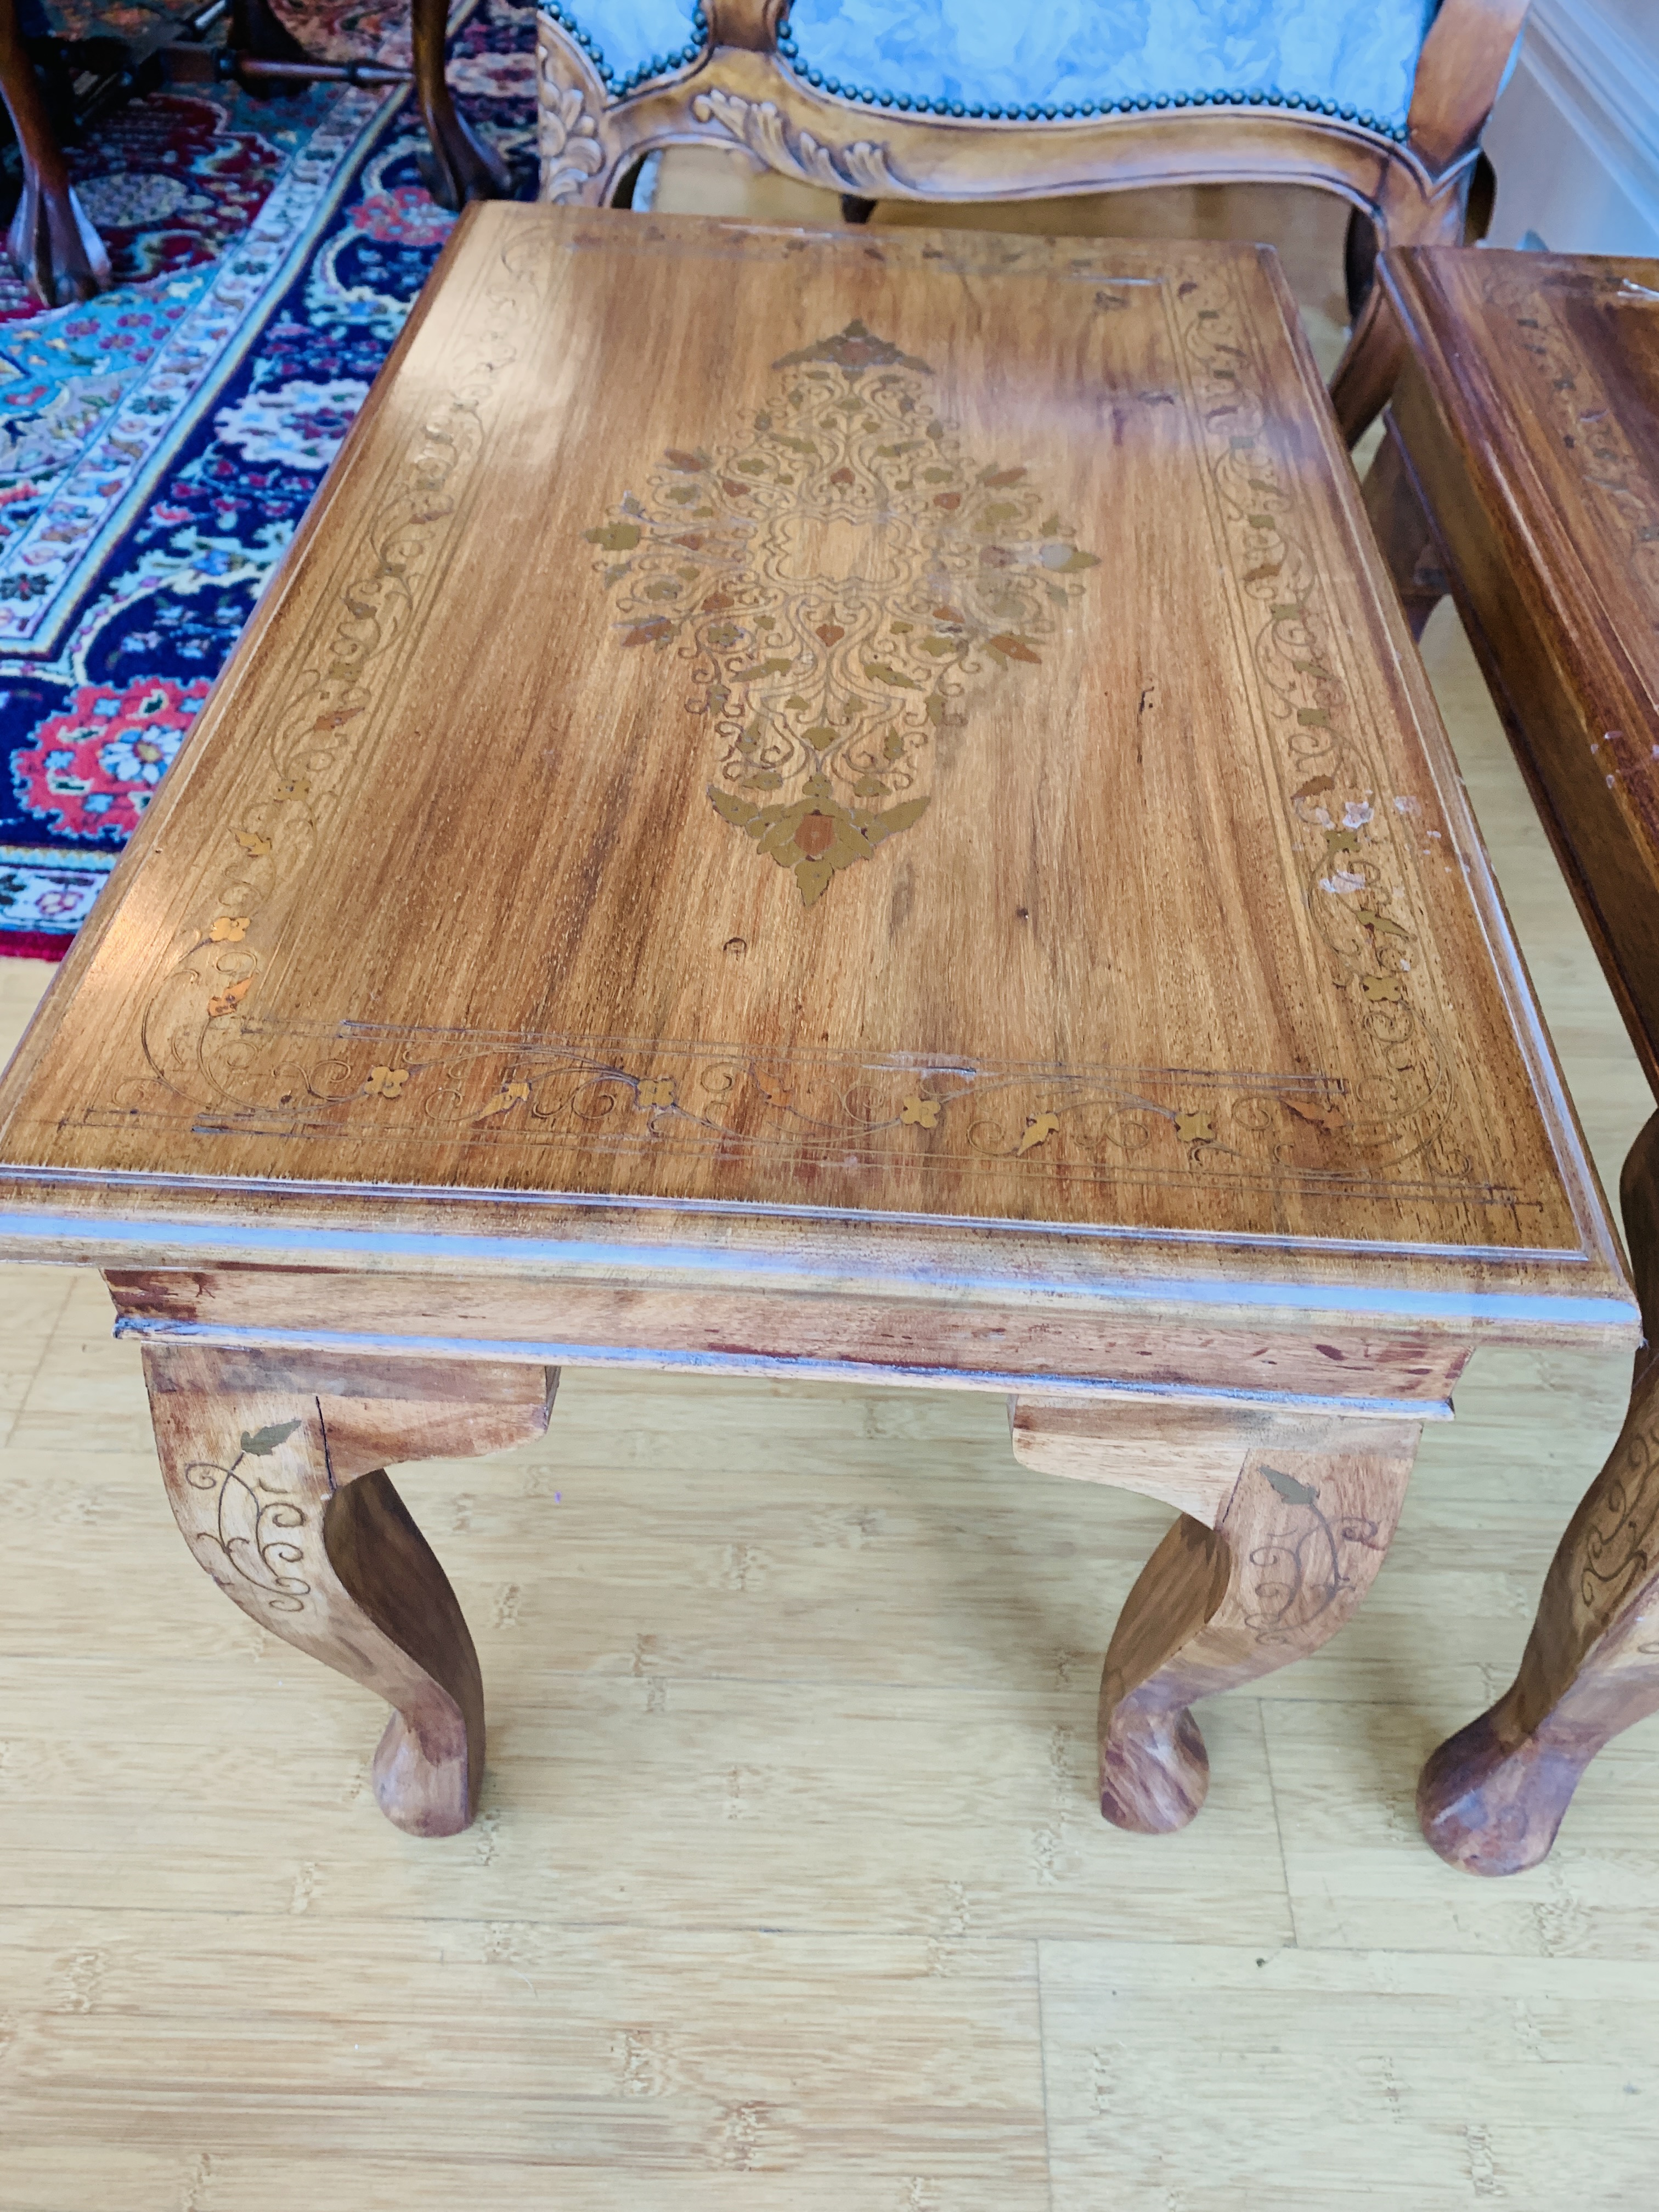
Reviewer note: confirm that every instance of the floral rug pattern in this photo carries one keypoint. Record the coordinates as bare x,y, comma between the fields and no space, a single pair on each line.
158,444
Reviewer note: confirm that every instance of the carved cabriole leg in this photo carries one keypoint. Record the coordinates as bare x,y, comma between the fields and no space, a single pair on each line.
274,1468
1396,515
53,247
1284,1523
1493,1796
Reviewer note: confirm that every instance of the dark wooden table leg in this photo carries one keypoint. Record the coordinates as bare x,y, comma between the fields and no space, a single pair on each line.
463,168
1492,1797
1396,515
1298,1544
275,1469
53,248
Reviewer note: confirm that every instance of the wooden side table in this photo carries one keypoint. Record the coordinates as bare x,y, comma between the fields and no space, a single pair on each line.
810,804
1521,470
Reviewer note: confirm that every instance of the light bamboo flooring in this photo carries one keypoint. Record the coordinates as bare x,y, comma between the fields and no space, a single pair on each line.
789,1894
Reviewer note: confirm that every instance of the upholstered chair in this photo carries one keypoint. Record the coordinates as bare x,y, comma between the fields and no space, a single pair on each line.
1380,102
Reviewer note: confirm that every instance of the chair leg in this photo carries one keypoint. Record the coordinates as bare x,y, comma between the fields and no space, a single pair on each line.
53,247
1402,530
463,168
1483,201
1367,372
1358,260
257,31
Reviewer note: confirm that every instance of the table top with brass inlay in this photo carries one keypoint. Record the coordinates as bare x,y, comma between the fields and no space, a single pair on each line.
772,740
1530,407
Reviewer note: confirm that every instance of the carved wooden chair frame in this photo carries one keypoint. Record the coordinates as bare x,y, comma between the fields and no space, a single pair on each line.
739,89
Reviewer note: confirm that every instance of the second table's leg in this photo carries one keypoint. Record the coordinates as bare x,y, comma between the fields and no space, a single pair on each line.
1492,1796
274,1471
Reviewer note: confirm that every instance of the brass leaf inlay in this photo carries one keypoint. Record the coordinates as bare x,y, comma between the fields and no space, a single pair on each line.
839,577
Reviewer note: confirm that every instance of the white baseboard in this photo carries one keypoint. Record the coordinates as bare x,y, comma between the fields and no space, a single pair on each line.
1575,137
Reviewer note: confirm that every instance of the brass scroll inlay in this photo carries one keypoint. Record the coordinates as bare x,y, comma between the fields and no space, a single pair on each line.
840,576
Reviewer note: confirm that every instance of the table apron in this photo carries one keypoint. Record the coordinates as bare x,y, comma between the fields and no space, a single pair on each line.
939,1344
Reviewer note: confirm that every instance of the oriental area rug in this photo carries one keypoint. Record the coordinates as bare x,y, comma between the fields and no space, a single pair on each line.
158,444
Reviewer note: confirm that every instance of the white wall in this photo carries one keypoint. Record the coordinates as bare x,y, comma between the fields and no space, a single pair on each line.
1574,138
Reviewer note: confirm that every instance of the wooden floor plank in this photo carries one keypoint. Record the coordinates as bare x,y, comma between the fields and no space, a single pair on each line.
230,2179
1326,2080
1344,1780
626,1802
504,2042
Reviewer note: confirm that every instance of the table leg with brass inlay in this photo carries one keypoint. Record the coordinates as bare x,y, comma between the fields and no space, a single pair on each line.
1285,1522
275,1471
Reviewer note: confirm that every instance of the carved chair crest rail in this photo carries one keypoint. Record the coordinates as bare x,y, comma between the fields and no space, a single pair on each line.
964,101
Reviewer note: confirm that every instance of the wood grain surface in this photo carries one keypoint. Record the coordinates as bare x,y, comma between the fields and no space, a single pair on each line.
789,1889
938,752
1529,420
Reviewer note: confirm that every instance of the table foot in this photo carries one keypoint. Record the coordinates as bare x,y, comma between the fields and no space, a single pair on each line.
52,245
273,1471
428,1764
1491,1799
54,249
1295,1546
1154,1770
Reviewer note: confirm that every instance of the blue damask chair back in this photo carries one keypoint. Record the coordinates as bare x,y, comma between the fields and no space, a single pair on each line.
1381,100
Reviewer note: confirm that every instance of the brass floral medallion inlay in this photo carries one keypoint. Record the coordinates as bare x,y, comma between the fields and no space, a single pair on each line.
839,577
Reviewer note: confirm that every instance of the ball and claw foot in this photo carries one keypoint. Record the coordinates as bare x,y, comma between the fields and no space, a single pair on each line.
1154,1770
54,249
